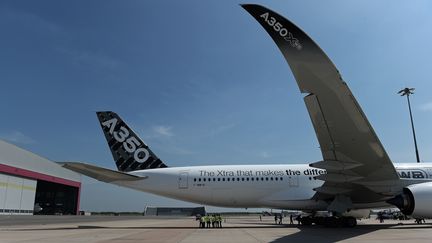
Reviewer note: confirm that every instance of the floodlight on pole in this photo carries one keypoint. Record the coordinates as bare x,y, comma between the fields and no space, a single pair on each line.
407,92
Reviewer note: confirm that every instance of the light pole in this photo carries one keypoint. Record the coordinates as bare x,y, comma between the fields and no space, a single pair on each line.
406,92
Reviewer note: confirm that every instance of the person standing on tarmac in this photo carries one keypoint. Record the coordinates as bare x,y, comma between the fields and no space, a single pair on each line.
208,221
220,220
213,220
202,222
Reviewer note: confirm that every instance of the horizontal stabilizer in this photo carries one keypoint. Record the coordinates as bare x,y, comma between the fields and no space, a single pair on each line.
99,173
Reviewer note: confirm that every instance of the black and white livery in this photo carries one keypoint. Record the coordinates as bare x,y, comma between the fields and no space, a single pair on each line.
129,151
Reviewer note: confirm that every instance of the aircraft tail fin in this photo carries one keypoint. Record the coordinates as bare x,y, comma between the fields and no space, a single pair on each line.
130,153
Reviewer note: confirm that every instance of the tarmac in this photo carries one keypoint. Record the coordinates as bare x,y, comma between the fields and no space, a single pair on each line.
113,229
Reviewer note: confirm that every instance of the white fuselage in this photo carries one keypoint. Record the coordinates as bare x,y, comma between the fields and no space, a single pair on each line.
273,186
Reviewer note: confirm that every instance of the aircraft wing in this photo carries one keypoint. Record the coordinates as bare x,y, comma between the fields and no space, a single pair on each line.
353,155
99,173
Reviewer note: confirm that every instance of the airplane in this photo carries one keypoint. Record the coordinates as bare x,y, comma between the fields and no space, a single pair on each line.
355,173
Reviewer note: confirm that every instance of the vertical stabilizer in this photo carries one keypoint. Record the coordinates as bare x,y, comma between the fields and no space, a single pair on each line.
129,151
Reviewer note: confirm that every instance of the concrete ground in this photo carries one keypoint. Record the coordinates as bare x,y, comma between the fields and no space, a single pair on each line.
56,229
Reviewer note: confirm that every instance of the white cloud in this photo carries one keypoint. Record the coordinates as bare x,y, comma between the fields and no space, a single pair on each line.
164,131
426,107
17,137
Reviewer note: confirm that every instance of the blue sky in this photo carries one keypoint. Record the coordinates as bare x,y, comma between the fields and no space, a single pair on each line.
200,81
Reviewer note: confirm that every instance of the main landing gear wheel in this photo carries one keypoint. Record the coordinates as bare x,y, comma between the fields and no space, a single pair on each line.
307,221
334,222
349,222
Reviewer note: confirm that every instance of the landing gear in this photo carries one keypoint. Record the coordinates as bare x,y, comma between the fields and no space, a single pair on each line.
349,222
334,222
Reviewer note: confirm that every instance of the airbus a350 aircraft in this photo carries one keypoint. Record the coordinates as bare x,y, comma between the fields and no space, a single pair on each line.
355,173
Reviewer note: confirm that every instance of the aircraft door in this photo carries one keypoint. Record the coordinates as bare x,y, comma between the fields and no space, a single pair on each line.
293,180
183,180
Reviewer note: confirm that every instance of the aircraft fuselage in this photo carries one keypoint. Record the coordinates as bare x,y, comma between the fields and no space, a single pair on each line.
246,186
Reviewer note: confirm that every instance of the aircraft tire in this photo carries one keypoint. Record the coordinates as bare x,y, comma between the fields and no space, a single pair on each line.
332,222
307,221
349,222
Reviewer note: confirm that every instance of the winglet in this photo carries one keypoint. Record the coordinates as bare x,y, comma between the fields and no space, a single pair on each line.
305,58
342,129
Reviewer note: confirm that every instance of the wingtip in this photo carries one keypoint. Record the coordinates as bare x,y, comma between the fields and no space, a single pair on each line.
246,5
104,112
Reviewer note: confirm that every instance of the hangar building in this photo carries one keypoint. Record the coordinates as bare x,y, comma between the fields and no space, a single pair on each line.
31,184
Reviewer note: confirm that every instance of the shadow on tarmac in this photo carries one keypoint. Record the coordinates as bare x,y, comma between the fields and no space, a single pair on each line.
325,234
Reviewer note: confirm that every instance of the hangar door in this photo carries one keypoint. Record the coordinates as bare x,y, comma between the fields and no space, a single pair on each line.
16,195
54,198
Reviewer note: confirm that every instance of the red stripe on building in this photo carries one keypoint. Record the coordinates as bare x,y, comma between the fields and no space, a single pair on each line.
38,176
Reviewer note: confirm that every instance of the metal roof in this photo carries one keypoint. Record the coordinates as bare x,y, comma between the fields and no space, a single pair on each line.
14,156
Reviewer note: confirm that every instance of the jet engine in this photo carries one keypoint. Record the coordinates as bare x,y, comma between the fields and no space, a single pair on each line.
415,200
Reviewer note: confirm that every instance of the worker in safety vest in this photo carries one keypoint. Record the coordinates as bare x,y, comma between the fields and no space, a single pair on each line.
220,220
217,222
207,220
202,222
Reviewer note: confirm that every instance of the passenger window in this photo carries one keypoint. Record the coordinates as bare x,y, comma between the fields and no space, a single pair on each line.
238,179
204,179
218,179
266,178
242,179
199,179
194,179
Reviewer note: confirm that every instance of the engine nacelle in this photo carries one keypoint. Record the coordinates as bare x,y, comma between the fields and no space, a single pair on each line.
416,200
